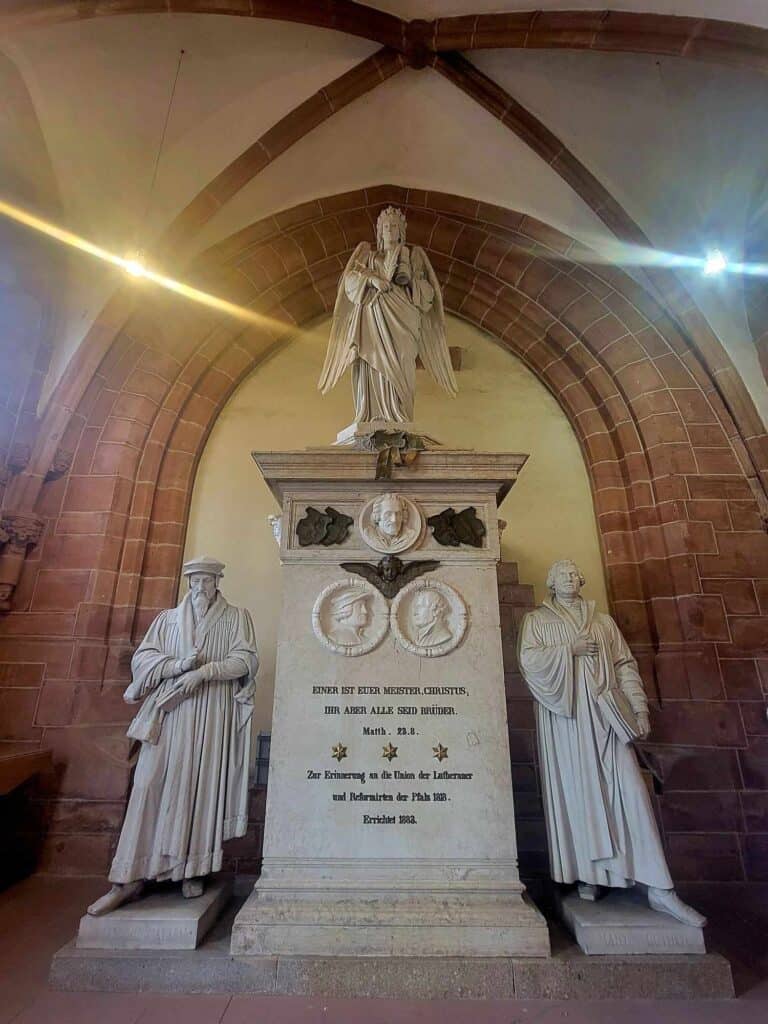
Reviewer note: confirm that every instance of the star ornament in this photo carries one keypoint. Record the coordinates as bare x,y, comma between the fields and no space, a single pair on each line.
339,752
440,752
389,752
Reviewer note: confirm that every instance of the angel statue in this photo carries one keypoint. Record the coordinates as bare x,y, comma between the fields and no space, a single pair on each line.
389,310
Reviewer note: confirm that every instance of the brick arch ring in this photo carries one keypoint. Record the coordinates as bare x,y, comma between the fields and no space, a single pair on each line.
658,442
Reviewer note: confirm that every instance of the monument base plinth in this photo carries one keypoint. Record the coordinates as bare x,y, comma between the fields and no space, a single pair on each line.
568,974
386,924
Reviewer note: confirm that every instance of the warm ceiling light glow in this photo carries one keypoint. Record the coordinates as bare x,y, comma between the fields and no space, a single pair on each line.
137,268
715,263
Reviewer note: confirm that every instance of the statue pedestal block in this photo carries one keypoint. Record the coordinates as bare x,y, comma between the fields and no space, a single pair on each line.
163,920
365,428
622,924
389,824
356,434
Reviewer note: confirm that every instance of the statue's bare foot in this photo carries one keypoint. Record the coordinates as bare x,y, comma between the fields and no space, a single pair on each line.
587,891
666,901
115,898
192,888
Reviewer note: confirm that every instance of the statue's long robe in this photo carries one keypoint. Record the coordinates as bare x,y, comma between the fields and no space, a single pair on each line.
600,824
381,333
190,788
387,335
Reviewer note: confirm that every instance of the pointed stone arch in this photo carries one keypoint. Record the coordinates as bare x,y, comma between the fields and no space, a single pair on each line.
645,413
679,527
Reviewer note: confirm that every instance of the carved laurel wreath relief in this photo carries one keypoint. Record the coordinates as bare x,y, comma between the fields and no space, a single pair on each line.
429,618
351,617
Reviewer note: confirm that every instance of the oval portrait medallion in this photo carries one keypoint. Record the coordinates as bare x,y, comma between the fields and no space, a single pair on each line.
429,618
390,523
350,617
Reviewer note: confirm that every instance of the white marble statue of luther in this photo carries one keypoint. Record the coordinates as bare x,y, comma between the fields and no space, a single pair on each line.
590,704
194,672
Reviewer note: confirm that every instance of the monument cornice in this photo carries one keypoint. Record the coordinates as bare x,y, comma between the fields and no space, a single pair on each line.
330,465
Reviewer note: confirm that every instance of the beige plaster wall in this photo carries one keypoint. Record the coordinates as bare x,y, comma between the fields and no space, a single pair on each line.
501,407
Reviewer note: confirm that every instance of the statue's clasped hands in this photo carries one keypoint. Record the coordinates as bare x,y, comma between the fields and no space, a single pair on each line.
378,282
187,664
191,675
190,681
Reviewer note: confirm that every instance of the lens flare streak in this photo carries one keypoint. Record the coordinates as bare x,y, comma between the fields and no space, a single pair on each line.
136,268
601,251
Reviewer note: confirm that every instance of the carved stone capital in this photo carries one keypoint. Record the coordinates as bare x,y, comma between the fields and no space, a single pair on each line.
62,461
23,528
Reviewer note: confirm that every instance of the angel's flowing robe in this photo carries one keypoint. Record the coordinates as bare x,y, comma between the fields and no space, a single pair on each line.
381,333
190,787
600,824
384,373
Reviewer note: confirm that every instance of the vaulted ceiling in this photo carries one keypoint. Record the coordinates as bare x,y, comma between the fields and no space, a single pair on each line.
643,127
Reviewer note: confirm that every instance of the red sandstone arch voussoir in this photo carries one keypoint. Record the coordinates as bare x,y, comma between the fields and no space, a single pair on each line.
677,521
643,419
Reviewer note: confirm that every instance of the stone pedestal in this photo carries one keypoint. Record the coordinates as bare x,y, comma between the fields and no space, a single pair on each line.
389,824
163,920
362,430
622,924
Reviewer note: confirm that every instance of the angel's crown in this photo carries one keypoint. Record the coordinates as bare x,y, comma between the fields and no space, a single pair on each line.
391,213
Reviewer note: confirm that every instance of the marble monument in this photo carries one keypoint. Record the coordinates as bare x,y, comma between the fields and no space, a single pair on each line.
193,674
390,826
590,705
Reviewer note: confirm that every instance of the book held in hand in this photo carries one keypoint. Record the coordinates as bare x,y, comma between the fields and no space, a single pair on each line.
172,699
619,714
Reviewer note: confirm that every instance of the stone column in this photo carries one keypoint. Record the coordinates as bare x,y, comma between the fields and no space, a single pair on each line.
389,824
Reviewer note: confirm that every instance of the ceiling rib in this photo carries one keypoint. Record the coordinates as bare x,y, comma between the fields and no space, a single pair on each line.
665,284
463,74
354,83
702,39
341,15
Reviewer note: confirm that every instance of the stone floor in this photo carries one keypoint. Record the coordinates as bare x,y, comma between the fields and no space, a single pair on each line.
39,915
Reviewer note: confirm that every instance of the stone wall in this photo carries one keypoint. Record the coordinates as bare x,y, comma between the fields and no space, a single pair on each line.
677,464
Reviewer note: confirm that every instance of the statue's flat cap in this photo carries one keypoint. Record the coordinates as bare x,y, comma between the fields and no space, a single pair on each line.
211,566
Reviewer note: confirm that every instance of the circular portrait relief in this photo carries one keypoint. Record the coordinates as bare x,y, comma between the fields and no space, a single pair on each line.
429,618
350,617
390,523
